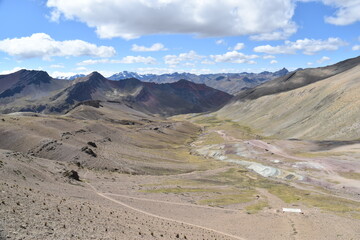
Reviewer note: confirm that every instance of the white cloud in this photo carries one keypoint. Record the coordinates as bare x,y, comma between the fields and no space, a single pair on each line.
125,60
269,57
307,46
174,60
239,46
54,16
309,63
356,48
154,70
273,62
276,35
81,69
207,61
234,57
56,66
347,11
154,48
43,46
92,62
138,59
323,59
132,19
15,69
220,42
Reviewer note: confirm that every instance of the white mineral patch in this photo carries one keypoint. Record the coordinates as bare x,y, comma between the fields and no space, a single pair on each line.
292,210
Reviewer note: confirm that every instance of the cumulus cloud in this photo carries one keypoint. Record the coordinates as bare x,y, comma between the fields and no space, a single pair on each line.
125,60
15,69
56,66
239,46
54,16
207,61
154,48
273,62
268,57
323,59
234,57
220,42
276,35
347,11
307,46
138,59
81,69
356,48
155,70
174,60
132,19
43,46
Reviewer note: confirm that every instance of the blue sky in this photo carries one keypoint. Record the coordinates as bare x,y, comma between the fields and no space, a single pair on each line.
66,37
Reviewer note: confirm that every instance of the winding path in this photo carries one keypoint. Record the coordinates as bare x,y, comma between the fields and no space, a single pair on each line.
160,217
172,203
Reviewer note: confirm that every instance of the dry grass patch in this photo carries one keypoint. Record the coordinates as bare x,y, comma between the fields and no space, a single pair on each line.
255,208
350,175
229,199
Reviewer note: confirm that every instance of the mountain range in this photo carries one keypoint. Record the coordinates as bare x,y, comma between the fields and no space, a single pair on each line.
36,91
227,82
314,103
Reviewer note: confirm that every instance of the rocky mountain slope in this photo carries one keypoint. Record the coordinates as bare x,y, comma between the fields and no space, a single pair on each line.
36,91
23,88
320,103
298,79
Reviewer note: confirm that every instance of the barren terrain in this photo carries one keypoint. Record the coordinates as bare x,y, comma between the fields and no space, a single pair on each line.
189,177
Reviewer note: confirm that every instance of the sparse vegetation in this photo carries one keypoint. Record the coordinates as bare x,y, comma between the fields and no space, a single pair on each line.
229,199
350,175
254,208
148,177
178,190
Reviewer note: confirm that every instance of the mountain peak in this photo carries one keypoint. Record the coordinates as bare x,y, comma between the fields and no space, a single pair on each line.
33,76
95,74
94,77
281,72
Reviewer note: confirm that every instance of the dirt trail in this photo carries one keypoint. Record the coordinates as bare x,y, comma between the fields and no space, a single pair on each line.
171,203
277,203
160,217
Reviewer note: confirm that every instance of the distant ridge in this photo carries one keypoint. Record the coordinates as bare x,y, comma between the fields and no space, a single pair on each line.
36,91
71,77
228,82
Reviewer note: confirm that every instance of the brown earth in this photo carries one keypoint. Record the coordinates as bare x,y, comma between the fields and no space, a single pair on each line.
147,181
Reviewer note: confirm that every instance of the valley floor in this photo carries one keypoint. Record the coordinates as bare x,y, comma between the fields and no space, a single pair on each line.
165,179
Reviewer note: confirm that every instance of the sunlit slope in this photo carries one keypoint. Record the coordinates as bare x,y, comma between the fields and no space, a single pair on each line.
327,109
